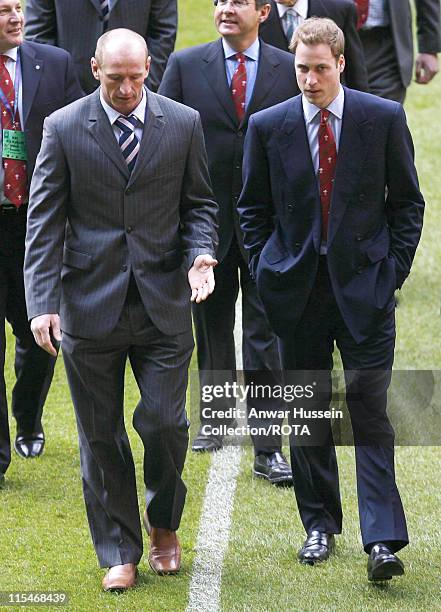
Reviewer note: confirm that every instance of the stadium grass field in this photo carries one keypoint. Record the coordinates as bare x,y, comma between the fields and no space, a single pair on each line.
44,538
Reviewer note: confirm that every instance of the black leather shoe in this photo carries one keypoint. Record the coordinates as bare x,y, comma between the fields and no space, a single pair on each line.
205,442
317,547
383,564
273,468
29,445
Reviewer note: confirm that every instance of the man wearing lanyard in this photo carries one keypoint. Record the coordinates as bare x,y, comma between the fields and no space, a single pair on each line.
34,81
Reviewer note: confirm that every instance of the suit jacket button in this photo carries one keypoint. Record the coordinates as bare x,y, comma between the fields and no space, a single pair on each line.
240,133
278,273
129,229
124,268
359,237
290,207
360,269
362,197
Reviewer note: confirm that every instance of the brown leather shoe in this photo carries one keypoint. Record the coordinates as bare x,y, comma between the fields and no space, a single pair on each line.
120,577
165,550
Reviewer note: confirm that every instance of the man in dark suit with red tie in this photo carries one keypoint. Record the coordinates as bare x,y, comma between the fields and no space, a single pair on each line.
226,81
332,214
286,15
35,80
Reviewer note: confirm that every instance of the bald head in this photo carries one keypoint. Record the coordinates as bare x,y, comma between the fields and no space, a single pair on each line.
118,42
121,64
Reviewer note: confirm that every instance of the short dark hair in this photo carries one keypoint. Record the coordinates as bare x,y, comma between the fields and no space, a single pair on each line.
318,31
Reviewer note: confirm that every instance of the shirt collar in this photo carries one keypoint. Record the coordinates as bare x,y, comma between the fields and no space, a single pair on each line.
113,114
11,53
252,52
310,111
300,7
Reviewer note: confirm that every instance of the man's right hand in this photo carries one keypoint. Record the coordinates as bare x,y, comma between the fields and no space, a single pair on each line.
42,327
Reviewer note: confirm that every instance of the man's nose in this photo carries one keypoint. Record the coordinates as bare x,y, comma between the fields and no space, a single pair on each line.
311,78
125,88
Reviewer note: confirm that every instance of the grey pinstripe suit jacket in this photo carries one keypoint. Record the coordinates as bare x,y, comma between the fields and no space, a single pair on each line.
90,223
76,25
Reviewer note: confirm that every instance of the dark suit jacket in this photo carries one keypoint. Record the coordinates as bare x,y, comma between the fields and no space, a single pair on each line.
92,223
49,83
344,14
371,238
197,77
428,32
76,25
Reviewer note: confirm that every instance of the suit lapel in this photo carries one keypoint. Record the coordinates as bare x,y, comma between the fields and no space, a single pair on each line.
31,70
153,128
317,8
266,79
97,5
213,68
356,132
102,132
296,158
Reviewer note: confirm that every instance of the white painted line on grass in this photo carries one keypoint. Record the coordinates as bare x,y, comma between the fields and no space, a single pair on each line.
214,528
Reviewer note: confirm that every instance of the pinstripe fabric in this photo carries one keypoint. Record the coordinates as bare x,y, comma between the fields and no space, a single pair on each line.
92,224
76,25
152,222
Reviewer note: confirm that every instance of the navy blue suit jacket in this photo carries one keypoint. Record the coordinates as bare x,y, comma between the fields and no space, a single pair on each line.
375,217
196,77
49,82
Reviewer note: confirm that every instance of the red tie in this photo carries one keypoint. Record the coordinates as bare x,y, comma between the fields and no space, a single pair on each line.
15,182
327,163
362,12
239,86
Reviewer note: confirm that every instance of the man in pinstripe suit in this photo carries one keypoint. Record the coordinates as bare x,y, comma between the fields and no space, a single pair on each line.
119,226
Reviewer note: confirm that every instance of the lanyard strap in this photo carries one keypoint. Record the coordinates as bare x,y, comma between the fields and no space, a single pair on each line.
17,84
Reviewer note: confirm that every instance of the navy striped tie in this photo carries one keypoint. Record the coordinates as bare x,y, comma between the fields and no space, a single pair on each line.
128,141
105,13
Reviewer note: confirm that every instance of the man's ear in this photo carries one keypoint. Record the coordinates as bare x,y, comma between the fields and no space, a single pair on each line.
147,65
94,67
341,63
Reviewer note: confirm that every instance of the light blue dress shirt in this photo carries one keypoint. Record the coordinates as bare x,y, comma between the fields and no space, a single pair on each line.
251,64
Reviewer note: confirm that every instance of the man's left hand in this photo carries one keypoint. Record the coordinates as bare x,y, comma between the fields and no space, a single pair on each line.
201,277
426,66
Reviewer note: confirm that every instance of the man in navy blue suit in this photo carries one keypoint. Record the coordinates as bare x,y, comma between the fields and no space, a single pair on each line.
38,80
332,214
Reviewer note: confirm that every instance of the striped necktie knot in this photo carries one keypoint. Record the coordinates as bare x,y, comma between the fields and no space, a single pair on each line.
128,141
105,13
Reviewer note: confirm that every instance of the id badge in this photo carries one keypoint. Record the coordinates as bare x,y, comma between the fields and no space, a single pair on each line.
14,145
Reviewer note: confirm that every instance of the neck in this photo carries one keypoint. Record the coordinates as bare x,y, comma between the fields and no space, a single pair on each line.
241,44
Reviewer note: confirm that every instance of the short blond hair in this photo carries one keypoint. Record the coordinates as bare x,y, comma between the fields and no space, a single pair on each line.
319,31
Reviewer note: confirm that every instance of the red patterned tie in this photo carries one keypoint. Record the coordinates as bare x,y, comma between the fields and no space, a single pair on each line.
362,12
239,86
15,182
327,163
